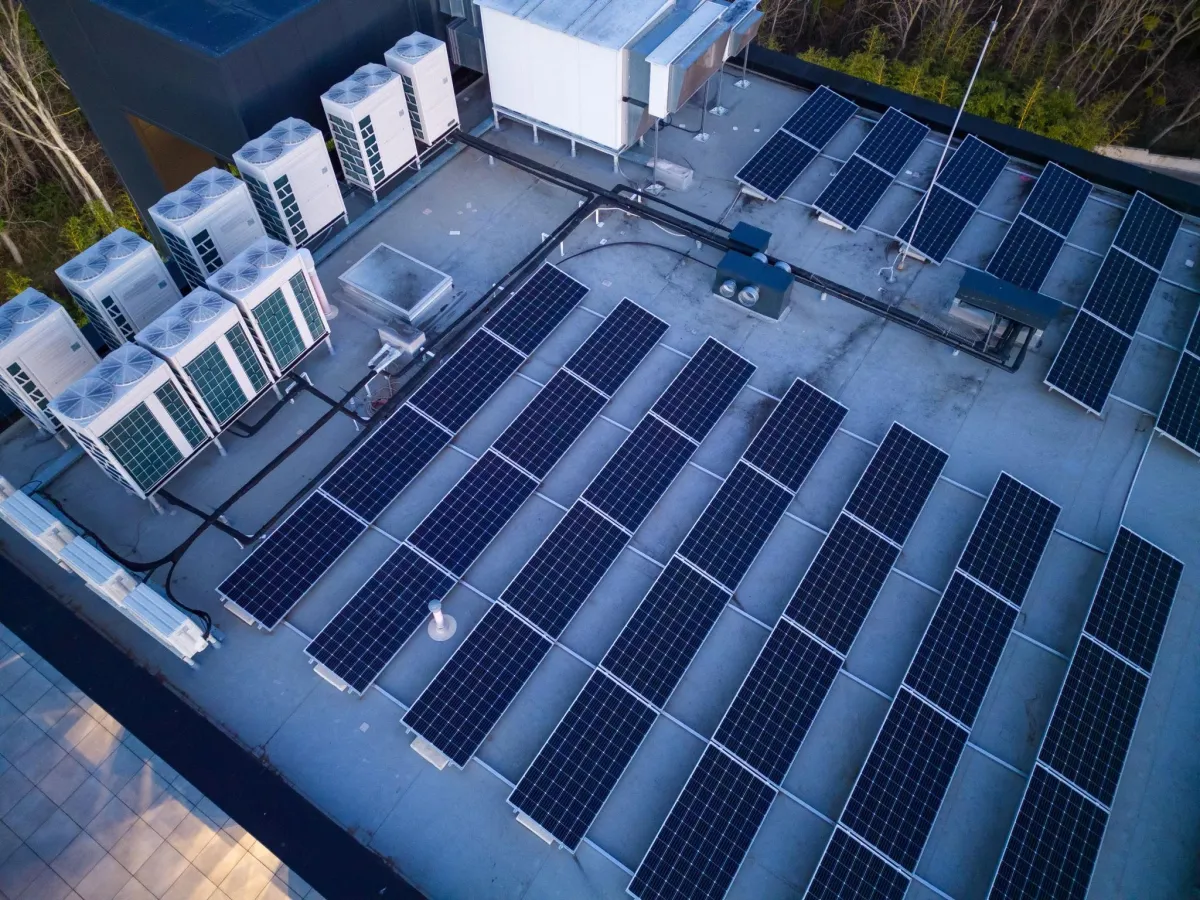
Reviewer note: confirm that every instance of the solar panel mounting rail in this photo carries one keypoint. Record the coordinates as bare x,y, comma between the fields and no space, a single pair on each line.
1179,419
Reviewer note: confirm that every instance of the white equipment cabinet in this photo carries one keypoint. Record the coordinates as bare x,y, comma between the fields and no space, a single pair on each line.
368,117
424,68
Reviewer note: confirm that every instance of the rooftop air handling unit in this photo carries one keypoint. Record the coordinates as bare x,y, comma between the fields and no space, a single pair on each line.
291,181
209,220
42,352
277,289
204,340
424,68
133,416
369,119
121,283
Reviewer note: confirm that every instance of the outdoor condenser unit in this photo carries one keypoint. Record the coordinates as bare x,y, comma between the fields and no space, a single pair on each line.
42,352
121,283
424,68
133,416
368,115
282,300
291,181
209,220
205,342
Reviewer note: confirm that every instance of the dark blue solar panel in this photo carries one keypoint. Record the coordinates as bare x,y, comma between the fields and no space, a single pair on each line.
550,424
466,381
609,356
1193,343
466,520
820,117
368,632
899,479
281,569
1057,199
944,218
849,871
703,390
853,193
972,170
393,454
1089,361
1180,416
796,433
892,141
1026,254
536,308
1148,230
638,474
1120,291
776,165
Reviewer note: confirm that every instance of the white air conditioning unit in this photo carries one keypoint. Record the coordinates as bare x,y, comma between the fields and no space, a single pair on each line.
291,180
205,342
277,289
368,116
42,352
121,283
424,68
208,221
101,573
133,416
36,523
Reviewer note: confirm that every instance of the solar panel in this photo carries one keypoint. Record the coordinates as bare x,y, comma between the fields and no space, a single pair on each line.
1088,362
972,169
945,217
842,582
536,308
892,140
393,454
550,424
466,381
700,847
1053,846
703,390
776,165
578,766
899,479
658,643
281,569
1057,198
1148,230
960,650
565,569
368,632
638,474
1026,254
472,513
609,356
902,784
853,193
820,117
776,704
735,525
476,685
849,871
1093,722
1120,291
1193,343
1009,538
1133,600
1180,416
796,433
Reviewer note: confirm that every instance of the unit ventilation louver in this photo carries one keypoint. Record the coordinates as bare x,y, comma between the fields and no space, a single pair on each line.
201,306
213,183
126,366
373,75
166,332
290,131
262,150
347,92
31,310
236,280
181,204
85,399
86,268
266,254
119,245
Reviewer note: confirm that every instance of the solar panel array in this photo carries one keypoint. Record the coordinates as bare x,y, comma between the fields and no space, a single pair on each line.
1041,228
860,184
1180,416
1055,840
800,140
466,698
567,783
1090,358
268,583
900,788
373,626
956,193
696,854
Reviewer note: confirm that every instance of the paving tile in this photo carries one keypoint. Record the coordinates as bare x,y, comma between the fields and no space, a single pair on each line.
72,728
28,689
165,813
8,714
19,871
90,706
54,835
87,801
8,842
111,823
286,884
133,743
238,833
219,857
43,665
13,787
95,748
190,792
190,885
12,670
161,870
136,846
246,879
50,708
18,737
78,859
48,886
142,789
212,812
122,764
265,856
192,835
159,765
63,780
36,762
104,881
30,812
133,890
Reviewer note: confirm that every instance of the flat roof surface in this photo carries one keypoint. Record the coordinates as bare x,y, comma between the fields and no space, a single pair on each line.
451,832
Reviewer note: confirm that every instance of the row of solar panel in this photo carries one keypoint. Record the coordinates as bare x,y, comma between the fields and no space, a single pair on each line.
901,786
466,698
1180,416
698,850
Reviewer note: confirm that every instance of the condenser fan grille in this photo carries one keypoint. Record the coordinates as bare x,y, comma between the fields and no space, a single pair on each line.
261,150
119,245
266,254
167,333
347,92
373,75
213,183
31,310
126,366
180,205
86,268
291,131
201,306
6,327
84,399
237,280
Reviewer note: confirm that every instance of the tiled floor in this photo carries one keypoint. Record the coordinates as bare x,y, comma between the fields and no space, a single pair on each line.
87,812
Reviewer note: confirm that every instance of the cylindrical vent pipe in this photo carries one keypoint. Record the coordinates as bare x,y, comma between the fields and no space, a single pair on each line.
728,289
748,296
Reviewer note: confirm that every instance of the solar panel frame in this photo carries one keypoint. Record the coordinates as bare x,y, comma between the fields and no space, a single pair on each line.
1120,291
1026,254
893,139
903,454
455,392
944,219
1089,362
617,347
820,117
703,390
850,870
550,424
1193,341
776,165
853,193
536,308
1057,199
972,170
1148,230
1180,416
795,434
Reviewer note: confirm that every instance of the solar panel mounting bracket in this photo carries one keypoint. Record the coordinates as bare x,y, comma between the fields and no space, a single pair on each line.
242,614
537,829
430,753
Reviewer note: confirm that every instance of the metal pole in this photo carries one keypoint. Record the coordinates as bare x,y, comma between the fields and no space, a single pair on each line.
907,244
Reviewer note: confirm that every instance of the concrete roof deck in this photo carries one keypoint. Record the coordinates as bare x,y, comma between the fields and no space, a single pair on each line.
451,832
